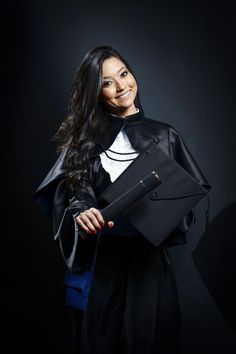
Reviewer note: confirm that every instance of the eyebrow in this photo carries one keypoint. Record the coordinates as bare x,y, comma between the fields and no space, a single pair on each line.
107,77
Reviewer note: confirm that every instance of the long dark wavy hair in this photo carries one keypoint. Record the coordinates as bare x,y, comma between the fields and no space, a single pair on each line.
86,118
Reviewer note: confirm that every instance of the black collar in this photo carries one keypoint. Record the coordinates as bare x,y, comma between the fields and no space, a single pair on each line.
114,126
130,119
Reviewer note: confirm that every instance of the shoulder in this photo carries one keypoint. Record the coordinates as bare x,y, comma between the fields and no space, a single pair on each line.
159,126
169,137
157,123
56,173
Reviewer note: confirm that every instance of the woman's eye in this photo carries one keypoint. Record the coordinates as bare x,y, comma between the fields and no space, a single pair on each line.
124,73
107,83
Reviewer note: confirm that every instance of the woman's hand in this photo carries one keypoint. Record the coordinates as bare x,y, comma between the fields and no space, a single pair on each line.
91,221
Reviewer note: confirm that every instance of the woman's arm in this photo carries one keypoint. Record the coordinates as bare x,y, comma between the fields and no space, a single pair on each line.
68,211
182,155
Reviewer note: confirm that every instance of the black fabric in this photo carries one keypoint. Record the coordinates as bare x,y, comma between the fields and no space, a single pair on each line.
133,305
160,210
127,197
141,131
214,258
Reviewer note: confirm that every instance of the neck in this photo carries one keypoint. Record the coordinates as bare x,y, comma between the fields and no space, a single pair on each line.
124,114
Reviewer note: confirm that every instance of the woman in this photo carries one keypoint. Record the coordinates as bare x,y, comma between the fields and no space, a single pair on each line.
133,302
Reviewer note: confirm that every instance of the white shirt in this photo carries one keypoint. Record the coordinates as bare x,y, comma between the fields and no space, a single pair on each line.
120,150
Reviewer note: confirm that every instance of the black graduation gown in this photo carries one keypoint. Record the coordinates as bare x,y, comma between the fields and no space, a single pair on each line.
133,305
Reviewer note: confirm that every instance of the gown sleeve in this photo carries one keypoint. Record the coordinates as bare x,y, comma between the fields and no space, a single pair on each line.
61,207
182,155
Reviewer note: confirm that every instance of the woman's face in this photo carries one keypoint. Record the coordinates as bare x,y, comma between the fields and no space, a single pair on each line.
119,87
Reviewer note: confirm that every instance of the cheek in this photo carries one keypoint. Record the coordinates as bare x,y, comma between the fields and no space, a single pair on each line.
107,94
132,83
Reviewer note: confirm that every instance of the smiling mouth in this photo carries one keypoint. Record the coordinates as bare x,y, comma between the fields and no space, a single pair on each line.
124,95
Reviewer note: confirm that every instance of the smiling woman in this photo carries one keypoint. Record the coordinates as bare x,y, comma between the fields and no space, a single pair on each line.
129,280
119,87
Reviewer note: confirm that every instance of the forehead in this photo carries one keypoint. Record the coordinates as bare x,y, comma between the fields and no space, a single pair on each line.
111,66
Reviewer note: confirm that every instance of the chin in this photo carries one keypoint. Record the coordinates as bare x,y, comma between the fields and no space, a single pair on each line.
126,104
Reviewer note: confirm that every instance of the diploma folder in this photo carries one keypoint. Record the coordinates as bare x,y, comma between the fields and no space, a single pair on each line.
159,212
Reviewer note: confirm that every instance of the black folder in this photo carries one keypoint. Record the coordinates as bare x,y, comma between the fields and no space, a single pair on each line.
158,212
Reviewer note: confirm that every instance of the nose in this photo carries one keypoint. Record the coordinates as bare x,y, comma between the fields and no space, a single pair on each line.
119,85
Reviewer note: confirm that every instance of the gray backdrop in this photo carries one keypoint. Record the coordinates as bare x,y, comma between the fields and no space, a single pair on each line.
183,54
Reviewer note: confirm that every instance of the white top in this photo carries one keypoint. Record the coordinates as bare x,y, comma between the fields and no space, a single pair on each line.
120,150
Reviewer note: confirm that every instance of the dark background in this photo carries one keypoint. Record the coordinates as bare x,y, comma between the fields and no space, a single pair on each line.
183,54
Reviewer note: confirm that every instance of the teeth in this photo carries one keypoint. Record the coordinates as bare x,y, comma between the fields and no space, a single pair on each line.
123,96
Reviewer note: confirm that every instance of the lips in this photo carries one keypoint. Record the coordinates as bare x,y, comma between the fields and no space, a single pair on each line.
124,95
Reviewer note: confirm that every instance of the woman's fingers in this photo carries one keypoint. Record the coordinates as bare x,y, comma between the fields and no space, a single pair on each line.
90,220
82,223
110,224
98,216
